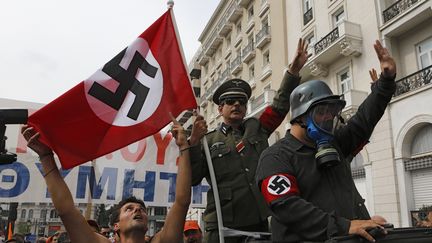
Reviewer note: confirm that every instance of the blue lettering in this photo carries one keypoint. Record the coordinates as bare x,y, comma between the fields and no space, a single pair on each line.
171,177
63,174
21,182
109,175
197,192
129,183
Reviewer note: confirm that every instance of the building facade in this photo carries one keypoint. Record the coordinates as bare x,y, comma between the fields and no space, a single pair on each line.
394,171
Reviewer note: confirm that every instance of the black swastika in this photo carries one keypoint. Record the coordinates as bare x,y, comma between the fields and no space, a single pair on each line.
127,82
279,184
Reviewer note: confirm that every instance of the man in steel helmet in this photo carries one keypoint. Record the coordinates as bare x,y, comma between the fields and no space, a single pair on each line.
305,177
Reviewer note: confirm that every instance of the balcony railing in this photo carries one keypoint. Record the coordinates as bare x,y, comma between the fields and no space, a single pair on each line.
257,105
307,16
249,51
263,36
326,41
226,74
397,8
414,81
236,64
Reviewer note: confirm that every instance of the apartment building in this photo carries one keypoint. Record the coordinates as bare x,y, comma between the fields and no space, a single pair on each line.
243,39
254,40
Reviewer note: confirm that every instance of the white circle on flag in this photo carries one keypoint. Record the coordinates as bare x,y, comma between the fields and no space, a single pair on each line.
155,85
278,185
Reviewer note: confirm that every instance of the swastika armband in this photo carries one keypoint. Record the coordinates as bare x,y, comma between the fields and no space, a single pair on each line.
278,186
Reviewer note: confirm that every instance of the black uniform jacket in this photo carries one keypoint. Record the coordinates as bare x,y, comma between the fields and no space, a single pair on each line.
309,204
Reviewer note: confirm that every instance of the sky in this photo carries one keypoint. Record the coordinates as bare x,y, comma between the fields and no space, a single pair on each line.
49,46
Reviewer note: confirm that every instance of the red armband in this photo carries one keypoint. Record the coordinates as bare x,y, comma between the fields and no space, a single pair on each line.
277,186
270,119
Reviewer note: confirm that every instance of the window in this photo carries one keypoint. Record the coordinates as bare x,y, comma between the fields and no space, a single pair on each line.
250,12
338,17
30,215
43,214
310,39
424,53
23,213
238,27
266,58
251,72
265,21
160,211
307,4
422,144
345,82
250,38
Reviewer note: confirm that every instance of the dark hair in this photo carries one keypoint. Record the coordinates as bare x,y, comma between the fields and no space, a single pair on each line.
114,217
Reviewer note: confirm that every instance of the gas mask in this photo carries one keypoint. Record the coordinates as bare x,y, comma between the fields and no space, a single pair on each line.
321,123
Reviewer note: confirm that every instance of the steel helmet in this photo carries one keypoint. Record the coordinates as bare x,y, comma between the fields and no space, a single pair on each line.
309,94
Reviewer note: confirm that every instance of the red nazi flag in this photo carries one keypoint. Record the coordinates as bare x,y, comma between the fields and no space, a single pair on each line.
126,100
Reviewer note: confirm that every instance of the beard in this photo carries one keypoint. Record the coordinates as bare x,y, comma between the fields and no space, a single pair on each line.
135,230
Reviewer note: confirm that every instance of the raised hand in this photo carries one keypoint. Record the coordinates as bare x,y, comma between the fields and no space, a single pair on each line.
388,65
32,138
178,132
199,129
300,57
373,74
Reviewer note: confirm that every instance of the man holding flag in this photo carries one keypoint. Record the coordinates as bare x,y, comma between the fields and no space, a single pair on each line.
133,96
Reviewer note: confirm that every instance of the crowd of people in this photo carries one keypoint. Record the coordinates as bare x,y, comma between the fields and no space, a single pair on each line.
303,181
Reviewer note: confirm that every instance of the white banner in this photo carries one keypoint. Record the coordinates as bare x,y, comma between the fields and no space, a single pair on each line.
146,169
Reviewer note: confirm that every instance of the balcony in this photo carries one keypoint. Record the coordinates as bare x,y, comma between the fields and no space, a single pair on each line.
307,16
224,27
257,105
203,102
203,59
263,37
265,6
353,99
344,40
414,81
213,43
248,52
397,8
236,65
404,15
54,220
243,3
234,13
226,74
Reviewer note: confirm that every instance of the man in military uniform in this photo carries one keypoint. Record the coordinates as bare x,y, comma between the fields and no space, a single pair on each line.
306,178
235,147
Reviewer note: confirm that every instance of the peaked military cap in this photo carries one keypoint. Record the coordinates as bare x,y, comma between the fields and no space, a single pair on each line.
233,88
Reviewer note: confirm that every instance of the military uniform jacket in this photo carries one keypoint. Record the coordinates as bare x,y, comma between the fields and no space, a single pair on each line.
235,157
311,204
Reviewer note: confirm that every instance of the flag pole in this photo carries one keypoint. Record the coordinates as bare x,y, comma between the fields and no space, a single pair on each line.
170,4
215,190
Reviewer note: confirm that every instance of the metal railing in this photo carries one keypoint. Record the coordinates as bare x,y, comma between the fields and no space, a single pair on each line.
414,81
249,48
397,8
326,41
307,16
265,30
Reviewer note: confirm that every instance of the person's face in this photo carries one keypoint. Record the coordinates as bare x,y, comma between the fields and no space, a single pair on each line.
132,215
192,236
105,232
233,110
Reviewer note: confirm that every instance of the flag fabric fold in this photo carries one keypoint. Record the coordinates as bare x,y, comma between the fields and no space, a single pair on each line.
126,100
